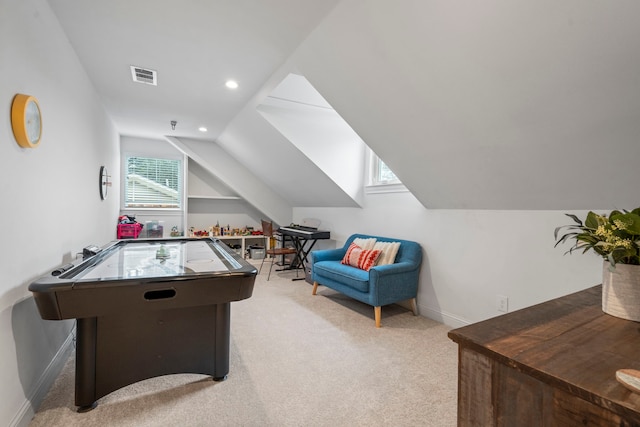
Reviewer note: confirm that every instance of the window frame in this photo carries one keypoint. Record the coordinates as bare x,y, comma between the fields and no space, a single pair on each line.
179,175
376,185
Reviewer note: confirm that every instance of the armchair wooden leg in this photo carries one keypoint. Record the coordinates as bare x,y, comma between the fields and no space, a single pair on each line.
315,288
414,306
377,311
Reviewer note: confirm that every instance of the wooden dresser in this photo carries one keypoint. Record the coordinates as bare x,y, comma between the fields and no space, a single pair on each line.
552,364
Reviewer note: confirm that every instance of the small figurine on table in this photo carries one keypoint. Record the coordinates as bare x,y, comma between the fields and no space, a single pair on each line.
162,253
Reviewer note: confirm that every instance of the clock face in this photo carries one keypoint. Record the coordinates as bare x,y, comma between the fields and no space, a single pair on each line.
26,120
32,122
104,182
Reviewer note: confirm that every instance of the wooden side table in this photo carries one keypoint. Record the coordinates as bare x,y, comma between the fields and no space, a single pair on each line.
552,364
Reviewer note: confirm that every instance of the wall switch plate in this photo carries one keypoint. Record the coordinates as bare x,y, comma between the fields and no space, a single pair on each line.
502,303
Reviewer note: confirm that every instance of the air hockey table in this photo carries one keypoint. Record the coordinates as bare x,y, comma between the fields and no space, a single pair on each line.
146,308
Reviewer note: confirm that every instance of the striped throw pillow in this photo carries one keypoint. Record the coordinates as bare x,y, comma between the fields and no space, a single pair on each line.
366,244
360,258
389,252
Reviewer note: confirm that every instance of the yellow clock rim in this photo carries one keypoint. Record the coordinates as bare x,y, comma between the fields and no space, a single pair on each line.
18,120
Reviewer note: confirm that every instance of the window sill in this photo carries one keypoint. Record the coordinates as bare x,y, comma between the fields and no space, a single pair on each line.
155,211
385,188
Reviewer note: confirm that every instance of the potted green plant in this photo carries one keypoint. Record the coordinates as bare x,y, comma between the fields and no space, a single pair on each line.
616,238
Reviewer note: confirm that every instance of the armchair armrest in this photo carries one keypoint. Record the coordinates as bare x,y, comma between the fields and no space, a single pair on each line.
327,255
391,269
393,282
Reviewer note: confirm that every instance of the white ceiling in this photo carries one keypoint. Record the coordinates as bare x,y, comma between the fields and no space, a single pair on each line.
497,104
194,45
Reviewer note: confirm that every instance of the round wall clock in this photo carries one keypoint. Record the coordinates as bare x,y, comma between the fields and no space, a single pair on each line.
104,182
26,120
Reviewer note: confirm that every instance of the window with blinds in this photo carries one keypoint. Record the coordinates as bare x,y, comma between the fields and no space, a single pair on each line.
153,183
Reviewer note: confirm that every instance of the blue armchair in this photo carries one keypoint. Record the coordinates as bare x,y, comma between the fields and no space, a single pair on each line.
381,285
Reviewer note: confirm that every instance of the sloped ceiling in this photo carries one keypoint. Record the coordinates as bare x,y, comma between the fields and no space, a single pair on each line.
305,119
474,105
492,104
265,152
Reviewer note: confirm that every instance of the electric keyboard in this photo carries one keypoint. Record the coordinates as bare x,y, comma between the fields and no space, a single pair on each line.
301,231
304,239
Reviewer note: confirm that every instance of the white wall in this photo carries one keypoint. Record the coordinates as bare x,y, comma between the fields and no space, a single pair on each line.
211,157
208,204
470,256
51,207
204,213
201,183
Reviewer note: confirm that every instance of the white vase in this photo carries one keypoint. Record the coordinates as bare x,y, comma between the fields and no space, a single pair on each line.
621,291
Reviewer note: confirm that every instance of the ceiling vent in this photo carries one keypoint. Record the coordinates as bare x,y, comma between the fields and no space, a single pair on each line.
143,75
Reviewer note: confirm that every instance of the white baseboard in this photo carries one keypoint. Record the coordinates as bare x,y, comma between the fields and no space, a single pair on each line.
32,402
442,317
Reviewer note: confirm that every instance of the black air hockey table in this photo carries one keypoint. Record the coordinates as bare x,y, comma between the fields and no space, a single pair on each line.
146,308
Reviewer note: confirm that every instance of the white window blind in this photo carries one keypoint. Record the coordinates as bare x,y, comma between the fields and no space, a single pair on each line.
153,183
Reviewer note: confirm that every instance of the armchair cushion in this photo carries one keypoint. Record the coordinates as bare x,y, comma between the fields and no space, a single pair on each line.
353,277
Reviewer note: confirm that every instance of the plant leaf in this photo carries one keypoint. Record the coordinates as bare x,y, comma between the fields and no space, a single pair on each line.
592,221
575,218
633,223
564,238
614,214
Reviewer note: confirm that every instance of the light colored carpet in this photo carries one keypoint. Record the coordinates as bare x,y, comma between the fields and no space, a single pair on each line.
296,360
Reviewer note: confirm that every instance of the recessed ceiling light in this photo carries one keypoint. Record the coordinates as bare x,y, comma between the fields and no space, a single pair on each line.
231,84
202,129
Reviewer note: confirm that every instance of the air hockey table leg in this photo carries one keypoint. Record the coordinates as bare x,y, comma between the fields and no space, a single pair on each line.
86,363
223,323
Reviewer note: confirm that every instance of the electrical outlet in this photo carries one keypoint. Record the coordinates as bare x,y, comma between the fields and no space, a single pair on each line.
502,303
